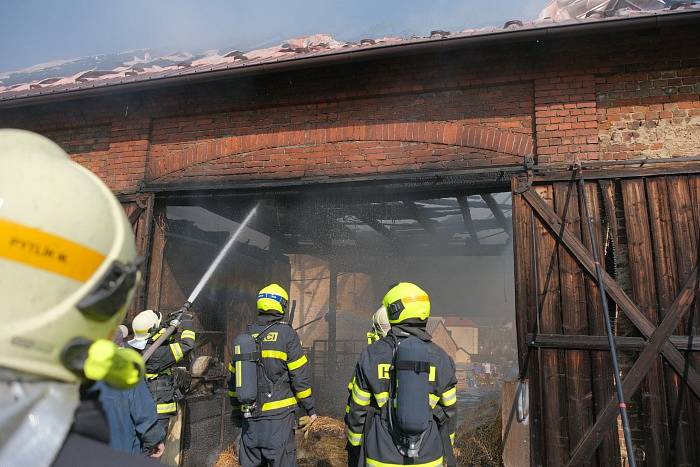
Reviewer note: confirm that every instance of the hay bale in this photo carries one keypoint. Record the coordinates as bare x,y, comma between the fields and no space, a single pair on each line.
228,458
324,445
478,440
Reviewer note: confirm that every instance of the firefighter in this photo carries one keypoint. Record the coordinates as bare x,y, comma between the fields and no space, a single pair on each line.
402,407
269,377
68,270
146,327
380,326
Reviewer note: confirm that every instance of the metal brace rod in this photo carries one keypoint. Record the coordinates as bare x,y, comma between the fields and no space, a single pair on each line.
608,326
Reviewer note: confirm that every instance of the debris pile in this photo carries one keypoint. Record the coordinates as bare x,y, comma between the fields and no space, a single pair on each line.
228,458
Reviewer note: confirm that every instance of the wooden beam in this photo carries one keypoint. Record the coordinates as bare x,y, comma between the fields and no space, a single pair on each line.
378,227
646,327
415,213
587,446
497,213
468,221
629,344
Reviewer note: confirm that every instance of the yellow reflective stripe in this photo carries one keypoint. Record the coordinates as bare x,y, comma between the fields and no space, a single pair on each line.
360,396
298,363
177,351
373,462
381,398
449,397
303,394
42,250
279,404
452,439
166,408
187,334
431,375
274,354
353,438
155,336
232,394
151,375
434,400
231,368
347,408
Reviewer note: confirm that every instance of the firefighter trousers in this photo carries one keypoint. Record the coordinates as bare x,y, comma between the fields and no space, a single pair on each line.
268,442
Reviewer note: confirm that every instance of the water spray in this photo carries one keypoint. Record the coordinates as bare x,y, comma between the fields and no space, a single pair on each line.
200,285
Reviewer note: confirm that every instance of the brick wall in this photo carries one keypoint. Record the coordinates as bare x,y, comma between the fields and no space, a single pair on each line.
625,95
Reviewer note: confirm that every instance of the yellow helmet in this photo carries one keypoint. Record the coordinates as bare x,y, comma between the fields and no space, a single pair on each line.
406,302
272,299
68,265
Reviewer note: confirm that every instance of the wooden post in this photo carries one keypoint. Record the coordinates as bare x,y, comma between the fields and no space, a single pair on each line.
526,317
574,319
601,367
554,404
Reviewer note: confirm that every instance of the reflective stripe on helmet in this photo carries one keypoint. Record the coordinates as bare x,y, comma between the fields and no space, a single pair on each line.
376,463
274,354
303,394
354,439
168,407
42,250
281,404
298,363
176,349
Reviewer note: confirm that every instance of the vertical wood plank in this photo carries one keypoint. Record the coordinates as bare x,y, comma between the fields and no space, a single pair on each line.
526,318
554,403
601,368
574,320
644,293
684,194
155,269
667,285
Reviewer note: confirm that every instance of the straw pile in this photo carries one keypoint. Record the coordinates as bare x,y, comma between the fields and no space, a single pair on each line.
478,440
228,458
324,445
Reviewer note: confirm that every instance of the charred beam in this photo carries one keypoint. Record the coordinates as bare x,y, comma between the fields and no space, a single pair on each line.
497,212
468,221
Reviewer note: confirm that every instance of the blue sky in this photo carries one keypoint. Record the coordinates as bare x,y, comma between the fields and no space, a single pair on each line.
33,31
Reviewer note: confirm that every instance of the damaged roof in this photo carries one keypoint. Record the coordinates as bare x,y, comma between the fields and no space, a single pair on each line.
136,70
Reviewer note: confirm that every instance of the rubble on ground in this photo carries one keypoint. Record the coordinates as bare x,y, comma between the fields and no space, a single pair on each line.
478,438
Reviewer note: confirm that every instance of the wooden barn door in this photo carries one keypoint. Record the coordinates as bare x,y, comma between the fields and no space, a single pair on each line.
647,229
139,210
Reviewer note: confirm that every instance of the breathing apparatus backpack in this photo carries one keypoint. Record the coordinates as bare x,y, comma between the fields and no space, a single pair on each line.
409,405
246,355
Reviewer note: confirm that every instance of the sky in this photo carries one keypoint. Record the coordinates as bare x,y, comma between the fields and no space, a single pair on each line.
34,31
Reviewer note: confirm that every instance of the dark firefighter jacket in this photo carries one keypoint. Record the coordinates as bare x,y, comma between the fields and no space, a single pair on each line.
86,443
366,418
288,378
159,367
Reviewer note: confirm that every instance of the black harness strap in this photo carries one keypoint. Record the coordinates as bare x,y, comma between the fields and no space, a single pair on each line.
410,365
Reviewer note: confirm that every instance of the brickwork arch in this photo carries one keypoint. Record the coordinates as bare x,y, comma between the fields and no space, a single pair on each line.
171,158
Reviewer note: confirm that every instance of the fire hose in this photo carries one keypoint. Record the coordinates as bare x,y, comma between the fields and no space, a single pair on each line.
175,322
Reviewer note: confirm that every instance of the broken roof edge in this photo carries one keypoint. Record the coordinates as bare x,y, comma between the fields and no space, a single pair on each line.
335,57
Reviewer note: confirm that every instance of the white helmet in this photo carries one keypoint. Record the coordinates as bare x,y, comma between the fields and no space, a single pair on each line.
380,322
144,324
67,259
